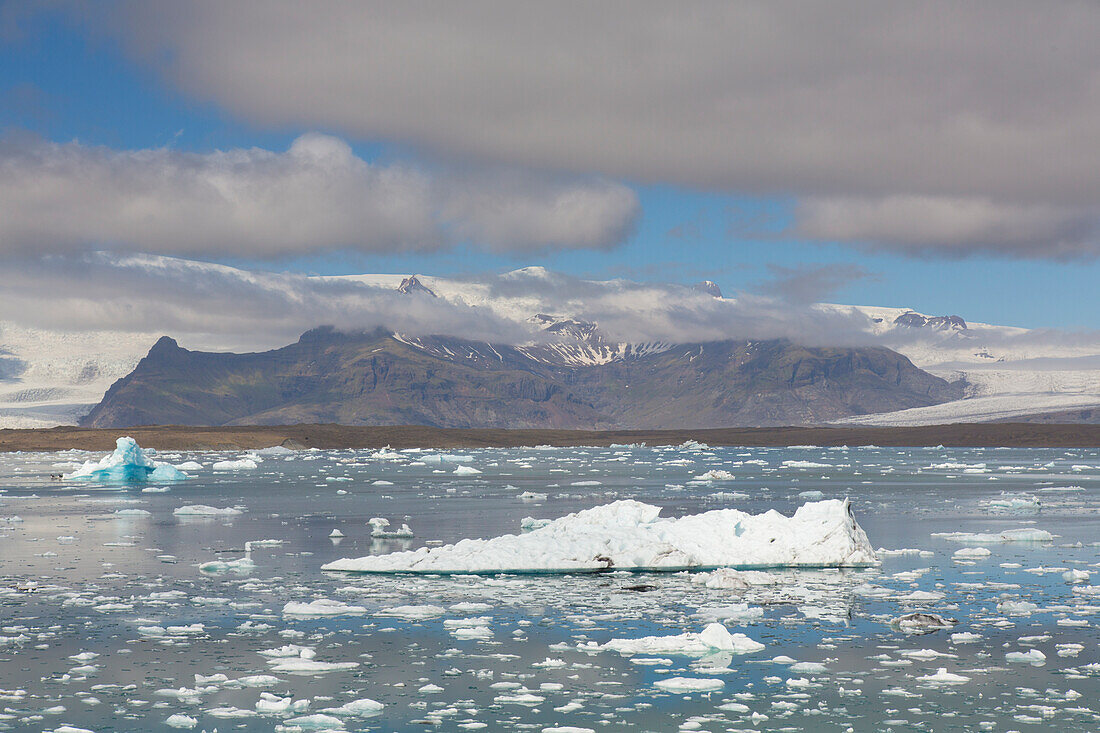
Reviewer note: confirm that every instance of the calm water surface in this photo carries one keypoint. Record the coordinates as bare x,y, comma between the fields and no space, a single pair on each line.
107,622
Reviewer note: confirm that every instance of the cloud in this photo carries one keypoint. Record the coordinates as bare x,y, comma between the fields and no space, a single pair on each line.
968,103
220,307
317,195
953,226
807,284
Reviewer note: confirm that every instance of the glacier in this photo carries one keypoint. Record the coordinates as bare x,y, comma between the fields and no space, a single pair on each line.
630,535
128,463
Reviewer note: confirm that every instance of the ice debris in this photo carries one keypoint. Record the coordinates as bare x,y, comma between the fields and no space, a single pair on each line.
127,463
630,535
921,623
714,638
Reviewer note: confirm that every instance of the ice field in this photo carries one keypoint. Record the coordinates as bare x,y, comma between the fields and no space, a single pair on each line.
958,590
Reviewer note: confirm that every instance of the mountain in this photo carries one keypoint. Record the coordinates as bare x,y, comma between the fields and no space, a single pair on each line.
53,377
380,378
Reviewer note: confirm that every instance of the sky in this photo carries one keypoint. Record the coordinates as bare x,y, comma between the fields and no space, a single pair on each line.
932,156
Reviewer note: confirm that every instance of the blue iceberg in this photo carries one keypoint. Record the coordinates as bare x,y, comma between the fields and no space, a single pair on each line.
126,465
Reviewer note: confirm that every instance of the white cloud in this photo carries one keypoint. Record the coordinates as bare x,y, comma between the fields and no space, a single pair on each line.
317,195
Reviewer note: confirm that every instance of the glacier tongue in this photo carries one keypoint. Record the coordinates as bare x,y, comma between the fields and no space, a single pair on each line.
630,535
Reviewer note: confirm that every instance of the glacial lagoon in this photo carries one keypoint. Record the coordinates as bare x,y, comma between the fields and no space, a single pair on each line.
201,604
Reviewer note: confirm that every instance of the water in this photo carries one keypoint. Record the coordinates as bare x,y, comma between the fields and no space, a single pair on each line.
78,579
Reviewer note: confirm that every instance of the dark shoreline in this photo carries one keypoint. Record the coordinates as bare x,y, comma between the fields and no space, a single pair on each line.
177,437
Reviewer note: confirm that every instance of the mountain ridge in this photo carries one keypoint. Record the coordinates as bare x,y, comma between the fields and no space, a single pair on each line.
378,378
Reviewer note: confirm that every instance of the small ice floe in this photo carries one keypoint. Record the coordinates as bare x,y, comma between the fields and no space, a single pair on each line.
1015,503
189,466
630,535
202,510
531,496
1017,608
714,638
1076,576
273,704
921,623
361,708
943,677
295,659
128,463
1031,656
1025,535
972,553
240,464
335,533
322,607
466,471
379,529
242,565
689,684
132,513
735,611
904,551
413,613
715,474
965,637
731,579
805,464
529,524
179,720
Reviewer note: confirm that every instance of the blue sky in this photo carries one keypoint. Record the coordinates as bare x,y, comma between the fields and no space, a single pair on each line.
62,81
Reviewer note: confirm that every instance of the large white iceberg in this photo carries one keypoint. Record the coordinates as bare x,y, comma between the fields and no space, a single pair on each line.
630,535
127,463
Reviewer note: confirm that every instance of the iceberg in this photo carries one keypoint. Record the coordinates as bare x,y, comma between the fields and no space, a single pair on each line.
128,463
630,535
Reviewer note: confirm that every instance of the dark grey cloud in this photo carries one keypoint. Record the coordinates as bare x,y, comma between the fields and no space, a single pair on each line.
318,195
806,284
923,127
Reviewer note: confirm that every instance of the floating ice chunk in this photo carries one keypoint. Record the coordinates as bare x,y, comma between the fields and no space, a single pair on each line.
240,464
972,553
629,535
531,496
943,677
714,638
1027,534
1015,503
132,513
1017,608
189,466
921,623
202,510
412,613
128,463
335,533
689,684
179,720
361,708
568,729
1076,576
813,495
322,607
735,611
379,525
715,474
965,637
466,471
805,464
1031,656
528,524
314,722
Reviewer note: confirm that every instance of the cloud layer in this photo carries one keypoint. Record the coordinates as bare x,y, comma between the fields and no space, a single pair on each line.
923,127
317,195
